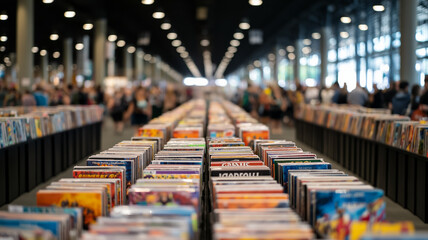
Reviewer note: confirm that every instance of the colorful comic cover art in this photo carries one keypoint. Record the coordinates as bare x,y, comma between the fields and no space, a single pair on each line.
186,134
144,132
167,198
251,203
248,135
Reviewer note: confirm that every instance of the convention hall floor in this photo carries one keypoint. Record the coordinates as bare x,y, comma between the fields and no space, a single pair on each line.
394,212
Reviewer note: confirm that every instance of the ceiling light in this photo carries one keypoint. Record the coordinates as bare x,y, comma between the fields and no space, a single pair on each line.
229,55
238,35
79,46
234,43
255,2
69,14
88,26
171,35
147,2
345,19
271,56
176,43
131,49
56,55
307,41
34,49
291,56
221,82
281,52
2,48
121,43
112,37
205,42
147,57
181,49
316,35
306,50
290,48
165,26
3,16
245,24
3,38
43,52
363,27
257,63
158,14
378,8
54,37
48,1
184,54
344,34
232,49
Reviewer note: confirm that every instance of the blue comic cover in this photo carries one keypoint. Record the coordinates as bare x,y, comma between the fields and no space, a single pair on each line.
48,225
335,210
128,164
299,166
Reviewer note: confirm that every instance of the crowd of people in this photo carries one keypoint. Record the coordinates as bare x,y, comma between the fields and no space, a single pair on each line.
273,105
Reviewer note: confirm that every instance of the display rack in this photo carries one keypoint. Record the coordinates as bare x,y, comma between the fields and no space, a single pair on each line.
401,174
25,165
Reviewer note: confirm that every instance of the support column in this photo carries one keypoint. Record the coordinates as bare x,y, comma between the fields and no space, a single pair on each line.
408,23
99,51
127,64
44,68
24,42
324,56
296,67
139,64
68,60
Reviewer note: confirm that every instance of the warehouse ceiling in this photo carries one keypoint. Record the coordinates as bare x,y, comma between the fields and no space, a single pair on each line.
192,20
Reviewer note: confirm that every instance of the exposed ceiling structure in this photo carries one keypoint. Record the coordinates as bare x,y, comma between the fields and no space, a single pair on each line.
192,20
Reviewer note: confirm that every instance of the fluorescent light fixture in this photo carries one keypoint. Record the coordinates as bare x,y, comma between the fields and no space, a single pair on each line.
378,8
69,14
88,26
245,24
238,35
158,14
291,56
290,48
3,17
363,27
3,38
316,35
56,54
54,36
112,37
232,49
147,2
121,43
257,63
345,19
181,49
205,42
235,43
184,54
131,49
165,26
344,34
307,41
48,1
79,46
176,43
255,2
43,52
171,35
195,81
306,50
221,82
34,49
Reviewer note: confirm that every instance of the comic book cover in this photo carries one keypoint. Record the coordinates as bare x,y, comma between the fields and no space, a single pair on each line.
89,201
251,203
284,167
128,164
249,134
360,228
236,163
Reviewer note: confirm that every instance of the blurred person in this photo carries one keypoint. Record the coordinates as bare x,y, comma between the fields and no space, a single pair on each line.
389,94
377,100
289,98
12,98
170,99
312,95
140,109
414,98
28,99
3,92
277,107
246,99
265,101
117,106
327,95
401,100
79,97
424,98
358,96
299,100
41,96
99,95
156,100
